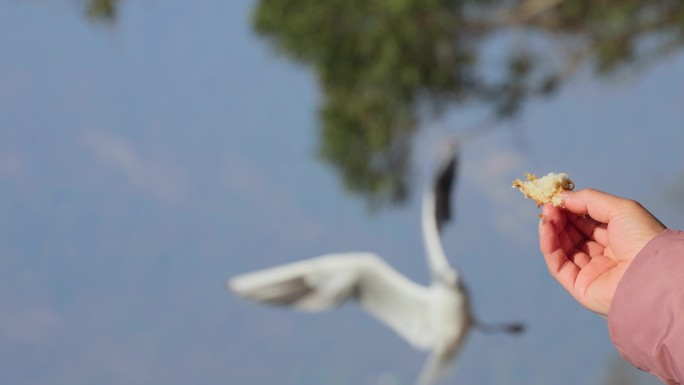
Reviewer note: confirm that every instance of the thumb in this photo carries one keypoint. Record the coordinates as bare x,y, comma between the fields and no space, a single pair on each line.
599,205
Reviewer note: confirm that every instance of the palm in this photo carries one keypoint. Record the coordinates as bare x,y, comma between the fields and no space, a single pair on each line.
597,278
587,266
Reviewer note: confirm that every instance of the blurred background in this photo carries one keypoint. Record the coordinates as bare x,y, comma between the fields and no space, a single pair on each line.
150,150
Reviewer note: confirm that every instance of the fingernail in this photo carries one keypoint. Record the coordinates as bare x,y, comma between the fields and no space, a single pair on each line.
566,194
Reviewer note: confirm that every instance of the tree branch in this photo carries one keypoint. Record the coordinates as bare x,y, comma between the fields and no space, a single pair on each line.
524,12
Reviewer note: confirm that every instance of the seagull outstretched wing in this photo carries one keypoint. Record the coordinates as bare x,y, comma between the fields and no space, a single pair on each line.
328,281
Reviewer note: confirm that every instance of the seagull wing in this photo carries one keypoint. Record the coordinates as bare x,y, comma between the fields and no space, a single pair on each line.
443,186
328,281
436,209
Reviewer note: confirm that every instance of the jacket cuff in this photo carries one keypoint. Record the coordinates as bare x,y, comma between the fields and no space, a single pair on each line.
647,310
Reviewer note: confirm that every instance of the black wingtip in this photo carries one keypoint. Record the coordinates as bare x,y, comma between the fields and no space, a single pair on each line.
516,328
443,187
510,328
284,293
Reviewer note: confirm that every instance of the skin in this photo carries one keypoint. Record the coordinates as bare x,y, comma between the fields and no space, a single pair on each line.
591,240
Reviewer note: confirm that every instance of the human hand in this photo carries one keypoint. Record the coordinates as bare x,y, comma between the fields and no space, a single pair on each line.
589,243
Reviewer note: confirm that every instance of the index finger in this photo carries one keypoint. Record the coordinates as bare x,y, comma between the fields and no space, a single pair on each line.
560,266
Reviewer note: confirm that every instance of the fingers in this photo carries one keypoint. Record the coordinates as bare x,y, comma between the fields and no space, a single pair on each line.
598,205
555,256
588,227
583,223
554,215
604,208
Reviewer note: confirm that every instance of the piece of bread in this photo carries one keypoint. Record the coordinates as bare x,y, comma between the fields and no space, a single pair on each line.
546,189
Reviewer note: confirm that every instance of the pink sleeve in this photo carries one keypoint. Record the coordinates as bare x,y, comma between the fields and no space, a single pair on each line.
646,319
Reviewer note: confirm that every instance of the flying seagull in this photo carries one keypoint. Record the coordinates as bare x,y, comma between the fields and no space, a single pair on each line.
435,317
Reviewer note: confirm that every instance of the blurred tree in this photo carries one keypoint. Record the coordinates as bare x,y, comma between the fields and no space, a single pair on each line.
102,10
384,64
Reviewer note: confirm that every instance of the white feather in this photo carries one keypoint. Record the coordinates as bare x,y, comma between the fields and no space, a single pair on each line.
435,317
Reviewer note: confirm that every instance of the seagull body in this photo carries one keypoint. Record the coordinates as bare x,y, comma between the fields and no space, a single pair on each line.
435,317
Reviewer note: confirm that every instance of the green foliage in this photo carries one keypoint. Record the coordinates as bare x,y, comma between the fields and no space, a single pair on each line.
102,10
376,61
619,33
369,134
381,62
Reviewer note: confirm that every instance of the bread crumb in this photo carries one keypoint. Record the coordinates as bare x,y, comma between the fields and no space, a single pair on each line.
546,189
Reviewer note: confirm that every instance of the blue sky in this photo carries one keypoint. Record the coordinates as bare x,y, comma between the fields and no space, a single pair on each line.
142,164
